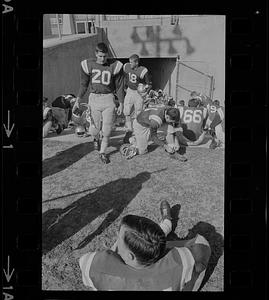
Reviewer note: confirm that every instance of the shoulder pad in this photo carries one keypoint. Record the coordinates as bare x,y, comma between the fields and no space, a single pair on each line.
126,66
84,65
117,67
143,72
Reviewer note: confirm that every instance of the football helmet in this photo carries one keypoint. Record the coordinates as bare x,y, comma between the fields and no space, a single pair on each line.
79,114
128,151
194,102
142,89
80,131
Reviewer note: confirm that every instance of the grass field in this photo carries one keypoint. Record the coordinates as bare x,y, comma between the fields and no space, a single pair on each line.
83,202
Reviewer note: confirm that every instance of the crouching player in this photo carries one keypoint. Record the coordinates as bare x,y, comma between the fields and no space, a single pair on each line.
54,118
215,124
141,261
193,118
65,102
146,126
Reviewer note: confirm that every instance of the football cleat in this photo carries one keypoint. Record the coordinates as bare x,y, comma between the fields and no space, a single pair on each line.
128,151
165,210
178,157
214,144
80,131
127,136
59,129
104,158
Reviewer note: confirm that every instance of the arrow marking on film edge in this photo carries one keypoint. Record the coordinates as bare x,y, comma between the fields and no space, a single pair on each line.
7,274
8,131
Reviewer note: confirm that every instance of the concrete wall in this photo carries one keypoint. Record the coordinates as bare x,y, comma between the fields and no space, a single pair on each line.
46,26
61,65
199,40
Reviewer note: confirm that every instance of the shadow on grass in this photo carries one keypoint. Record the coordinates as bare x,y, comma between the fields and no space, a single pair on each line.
214,239
60,224
216,242
64,159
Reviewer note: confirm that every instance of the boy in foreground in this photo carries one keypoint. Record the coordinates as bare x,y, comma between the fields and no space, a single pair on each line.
141,261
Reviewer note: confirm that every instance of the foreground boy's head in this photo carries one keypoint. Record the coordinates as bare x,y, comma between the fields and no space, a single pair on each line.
141,242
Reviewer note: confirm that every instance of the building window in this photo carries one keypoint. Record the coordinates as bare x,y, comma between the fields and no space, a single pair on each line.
83,27
54,21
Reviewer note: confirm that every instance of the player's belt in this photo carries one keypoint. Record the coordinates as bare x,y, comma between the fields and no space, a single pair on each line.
101,94
132,89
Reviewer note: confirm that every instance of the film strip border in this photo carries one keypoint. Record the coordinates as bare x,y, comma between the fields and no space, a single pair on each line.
245,206
22,152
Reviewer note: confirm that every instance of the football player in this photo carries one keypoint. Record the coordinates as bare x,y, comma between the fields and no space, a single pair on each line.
104,76
215,123
54,118
142,260
65,102
134,74
145,128
193,118
181,103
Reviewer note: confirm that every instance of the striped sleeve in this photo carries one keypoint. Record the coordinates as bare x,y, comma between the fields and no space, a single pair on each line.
205,112
143,73
201,240
124,67
117,67
221,114
180,108
187,263
156,119
84,66
85,264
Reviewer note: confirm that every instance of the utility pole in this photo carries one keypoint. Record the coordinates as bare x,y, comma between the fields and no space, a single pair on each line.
59,29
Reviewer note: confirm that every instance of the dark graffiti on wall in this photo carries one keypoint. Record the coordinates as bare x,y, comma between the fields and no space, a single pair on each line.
153,36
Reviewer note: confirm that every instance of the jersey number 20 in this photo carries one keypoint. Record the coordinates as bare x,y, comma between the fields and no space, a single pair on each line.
102,77
194,116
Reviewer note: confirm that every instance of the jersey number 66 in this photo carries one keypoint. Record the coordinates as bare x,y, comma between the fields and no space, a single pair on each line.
192,116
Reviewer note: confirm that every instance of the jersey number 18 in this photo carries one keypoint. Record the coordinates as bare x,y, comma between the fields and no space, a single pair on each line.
132,77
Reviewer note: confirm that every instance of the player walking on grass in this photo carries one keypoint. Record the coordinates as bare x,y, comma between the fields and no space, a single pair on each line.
134,75
141,259
104,76
145,129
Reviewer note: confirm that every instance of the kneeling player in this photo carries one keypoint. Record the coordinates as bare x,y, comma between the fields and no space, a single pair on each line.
145,129
141,259
65,102
53,118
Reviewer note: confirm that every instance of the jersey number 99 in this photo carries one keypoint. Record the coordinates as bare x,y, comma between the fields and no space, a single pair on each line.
194,116
102,77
